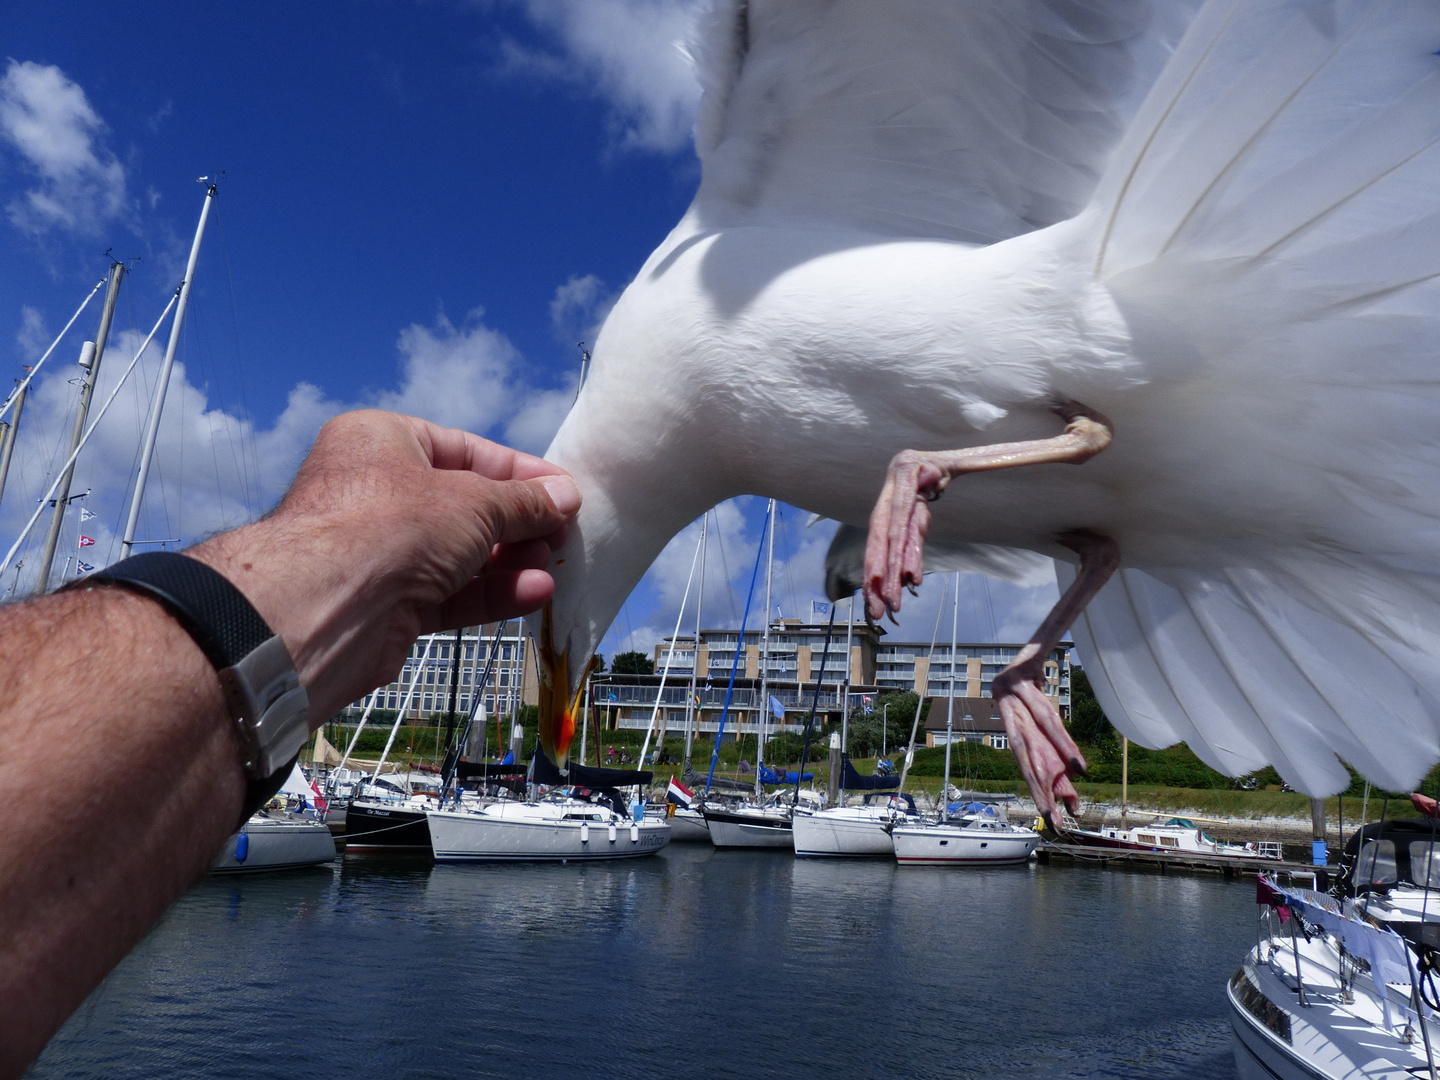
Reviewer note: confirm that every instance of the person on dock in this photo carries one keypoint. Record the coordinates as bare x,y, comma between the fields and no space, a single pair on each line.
128,758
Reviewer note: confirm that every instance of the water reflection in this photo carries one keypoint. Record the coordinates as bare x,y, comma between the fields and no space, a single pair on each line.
738,964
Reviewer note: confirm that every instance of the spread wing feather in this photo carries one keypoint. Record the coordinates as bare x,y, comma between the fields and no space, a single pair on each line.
1276,208
972,121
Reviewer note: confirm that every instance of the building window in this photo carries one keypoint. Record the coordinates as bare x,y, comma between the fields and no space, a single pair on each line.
1000,742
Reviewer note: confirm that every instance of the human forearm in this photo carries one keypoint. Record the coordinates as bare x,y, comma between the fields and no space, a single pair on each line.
119,768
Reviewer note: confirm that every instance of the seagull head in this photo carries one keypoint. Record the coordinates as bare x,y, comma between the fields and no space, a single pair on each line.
646,463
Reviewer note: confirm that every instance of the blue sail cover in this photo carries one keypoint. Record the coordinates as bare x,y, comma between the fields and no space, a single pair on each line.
851,780
770,776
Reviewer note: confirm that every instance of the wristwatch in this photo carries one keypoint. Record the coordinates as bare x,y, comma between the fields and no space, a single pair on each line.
269,706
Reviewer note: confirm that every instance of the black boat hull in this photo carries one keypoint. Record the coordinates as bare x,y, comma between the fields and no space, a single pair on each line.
371,827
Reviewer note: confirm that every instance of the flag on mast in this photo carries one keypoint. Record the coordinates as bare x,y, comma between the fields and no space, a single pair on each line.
87,541
678,793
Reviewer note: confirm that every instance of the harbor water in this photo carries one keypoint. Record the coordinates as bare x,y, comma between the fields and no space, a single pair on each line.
692,963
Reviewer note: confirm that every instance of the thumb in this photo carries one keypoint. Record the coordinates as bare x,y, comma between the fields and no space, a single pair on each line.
515,510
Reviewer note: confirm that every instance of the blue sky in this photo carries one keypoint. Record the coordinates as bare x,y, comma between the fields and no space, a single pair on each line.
423,206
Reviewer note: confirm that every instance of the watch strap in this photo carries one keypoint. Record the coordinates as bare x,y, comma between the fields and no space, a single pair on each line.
256,673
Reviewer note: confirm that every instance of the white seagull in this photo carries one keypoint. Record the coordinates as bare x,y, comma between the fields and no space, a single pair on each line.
1162,283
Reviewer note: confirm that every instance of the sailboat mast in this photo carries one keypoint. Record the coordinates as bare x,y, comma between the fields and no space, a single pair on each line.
454,691
945,787
9,432
152,423
691,712
764,716
950,708
922,691
90,376
845,698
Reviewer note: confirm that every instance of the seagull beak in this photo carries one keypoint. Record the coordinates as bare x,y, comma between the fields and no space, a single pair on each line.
558,713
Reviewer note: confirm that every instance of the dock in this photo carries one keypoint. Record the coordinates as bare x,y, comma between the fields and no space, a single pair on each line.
1231,868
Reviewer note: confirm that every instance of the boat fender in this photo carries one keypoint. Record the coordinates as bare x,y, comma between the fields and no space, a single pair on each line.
585,832
242,847
634,833
612,832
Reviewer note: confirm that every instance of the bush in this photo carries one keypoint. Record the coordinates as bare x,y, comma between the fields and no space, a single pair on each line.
968,761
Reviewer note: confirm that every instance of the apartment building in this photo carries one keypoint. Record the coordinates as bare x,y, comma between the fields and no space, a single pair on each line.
510,679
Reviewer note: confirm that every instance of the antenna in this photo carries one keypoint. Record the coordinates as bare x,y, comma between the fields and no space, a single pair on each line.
584,368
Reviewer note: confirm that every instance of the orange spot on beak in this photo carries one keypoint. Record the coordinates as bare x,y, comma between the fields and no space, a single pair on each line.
559,713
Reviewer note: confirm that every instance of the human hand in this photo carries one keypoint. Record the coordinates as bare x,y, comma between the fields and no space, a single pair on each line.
395,527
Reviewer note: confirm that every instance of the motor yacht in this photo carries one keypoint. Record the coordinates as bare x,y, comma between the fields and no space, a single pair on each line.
1179,836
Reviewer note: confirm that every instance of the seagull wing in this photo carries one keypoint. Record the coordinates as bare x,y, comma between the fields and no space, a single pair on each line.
971,121
1270,228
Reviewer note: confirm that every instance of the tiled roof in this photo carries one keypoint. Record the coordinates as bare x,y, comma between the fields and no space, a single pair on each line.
971,714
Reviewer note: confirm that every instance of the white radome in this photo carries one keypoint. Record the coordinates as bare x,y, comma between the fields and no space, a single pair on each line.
921,224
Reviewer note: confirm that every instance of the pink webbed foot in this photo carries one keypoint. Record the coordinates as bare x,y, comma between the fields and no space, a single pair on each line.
895,548
1046,754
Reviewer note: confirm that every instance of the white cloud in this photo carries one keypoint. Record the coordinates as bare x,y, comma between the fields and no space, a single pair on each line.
457,376
32,336
579,307
629,52
215,469
48,120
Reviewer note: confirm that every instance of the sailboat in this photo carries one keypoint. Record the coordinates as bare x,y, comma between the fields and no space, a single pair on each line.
1328,992
585,819
756,822
859,829
979,834
282,839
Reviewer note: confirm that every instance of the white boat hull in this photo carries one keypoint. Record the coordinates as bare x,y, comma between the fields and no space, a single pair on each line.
276,844
952,845
688,827
837,834
741,830
1272,1035
471,837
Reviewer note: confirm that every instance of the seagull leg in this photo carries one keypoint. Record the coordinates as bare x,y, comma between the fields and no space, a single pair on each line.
894,550
1047,756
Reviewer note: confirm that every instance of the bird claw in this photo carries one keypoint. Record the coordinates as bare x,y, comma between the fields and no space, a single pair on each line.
1047,756
895,548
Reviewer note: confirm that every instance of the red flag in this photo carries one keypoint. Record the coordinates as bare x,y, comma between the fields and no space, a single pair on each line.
1266,894
87,541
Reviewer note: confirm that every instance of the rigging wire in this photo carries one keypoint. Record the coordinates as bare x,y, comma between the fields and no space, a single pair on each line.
4,565
250,482
35,368
725,563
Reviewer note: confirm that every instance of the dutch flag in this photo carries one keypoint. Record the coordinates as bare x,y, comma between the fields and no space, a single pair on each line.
678,793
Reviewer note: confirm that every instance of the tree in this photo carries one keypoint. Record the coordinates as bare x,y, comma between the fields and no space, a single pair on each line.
632,663
866,735
1088,722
